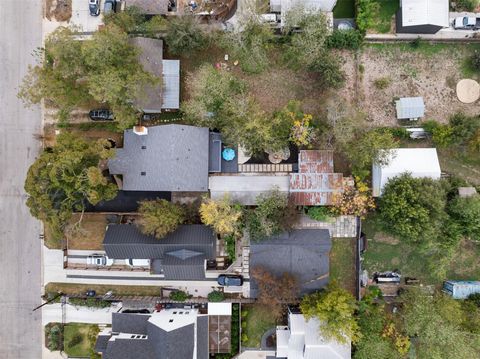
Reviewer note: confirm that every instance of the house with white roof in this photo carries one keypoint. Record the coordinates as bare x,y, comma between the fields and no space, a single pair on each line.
422,16
419,162
302,339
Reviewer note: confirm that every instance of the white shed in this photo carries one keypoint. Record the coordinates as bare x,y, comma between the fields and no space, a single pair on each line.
419,162
410,108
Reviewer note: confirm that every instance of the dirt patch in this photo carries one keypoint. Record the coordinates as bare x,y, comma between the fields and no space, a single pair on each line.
58,10
429,74
385,238
87,234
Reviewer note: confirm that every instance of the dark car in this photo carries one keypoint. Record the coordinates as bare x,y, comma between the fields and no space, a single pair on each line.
139,311
109,7
94,7
91,293
101,115
230,280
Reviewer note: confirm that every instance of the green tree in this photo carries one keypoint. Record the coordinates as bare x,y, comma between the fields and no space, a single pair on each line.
466,212
216,296
185,34
334,308
436,323
412,208
128,20
270,216
64,177
222,215
160,217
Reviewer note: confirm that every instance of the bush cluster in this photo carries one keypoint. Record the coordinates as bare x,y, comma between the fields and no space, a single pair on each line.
345,39
179,296
90,302
216,296
53,332
319,213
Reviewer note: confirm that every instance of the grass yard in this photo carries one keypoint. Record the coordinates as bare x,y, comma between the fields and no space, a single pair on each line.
388,253
70,289
387,10
459,165
79,339
344,9
258,320
342,263
88,234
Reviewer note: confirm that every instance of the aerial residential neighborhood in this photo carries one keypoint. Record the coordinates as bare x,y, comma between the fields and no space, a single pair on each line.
240,179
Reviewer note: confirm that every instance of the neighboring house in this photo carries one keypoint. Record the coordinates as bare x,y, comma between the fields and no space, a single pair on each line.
169,158
410,108
180,255
166,94
302,339
177,333
303,253
422,16
461,289
245,188
418,162
315,184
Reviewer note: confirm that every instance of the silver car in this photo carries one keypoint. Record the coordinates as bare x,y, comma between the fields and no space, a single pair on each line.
99,260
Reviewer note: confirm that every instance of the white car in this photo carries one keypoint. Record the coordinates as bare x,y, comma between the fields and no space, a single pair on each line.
466,23
99,260
138,262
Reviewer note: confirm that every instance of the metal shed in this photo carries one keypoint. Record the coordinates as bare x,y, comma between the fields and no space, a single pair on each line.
461,289
410,108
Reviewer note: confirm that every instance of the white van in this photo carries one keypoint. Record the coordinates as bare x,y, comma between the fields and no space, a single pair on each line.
138,262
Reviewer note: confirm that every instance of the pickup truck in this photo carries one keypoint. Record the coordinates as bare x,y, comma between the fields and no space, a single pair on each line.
466,23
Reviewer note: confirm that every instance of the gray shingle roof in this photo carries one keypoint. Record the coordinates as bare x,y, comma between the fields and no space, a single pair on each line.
126,241
410,107
175,344
303,253
130,323
124,348
169,158
101,343
202,337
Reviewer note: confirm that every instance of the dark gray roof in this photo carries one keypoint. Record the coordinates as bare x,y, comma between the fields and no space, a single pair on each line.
192,268
125,348
101,343
126,241
169,158
130,323
175,344
202,337
303,253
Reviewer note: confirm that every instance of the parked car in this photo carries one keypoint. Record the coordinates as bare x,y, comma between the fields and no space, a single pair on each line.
109,7
101,115
387,277
230,280
138,262
99,260
94,7
466,23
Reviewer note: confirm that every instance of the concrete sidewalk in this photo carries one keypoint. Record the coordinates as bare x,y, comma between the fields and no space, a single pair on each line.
53,313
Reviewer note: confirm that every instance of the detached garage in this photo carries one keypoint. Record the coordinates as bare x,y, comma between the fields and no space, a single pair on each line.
422,16
419,162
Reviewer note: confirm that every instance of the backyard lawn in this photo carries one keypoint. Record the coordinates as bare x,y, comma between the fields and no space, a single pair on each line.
387,10
259,320
79,339
344,9
342,263
388,253
88,234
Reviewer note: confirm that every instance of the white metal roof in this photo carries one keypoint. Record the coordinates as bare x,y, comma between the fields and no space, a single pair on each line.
419,162
410,107
244,189
425,12
171,84
219,308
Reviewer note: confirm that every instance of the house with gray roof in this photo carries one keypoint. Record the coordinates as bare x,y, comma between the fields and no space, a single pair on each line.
168,334
180,255
303,253
165,94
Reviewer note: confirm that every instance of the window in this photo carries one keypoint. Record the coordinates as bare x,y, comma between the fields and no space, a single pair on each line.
170,321
143,173
132,336
174,312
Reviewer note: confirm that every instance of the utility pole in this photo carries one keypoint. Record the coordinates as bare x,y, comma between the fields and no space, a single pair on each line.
48,301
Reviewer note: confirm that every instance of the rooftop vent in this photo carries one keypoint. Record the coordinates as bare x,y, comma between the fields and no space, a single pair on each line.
143,173
140,130
144,147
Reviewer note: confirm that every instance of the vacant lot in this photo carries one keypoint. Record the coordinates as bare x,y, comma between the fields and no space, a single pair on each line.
342,263
430,71
79,339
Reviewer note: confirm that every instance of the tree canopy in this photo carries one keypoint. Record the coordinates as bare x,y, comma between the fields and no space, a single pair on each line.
64,177
160,217
466,212
222,215
185,34
334,308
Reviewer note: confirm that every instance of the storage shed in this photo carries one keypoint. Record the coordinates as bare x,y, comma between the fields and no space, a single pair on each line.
410,108
422,16
419,162
461,289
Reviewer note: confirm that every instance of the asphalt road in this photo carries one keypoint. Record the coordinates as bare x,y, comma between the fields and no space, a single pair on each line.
20,247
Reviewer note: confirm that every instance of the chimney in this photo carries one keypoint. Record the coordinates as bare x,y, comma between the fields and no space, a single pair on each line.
140,130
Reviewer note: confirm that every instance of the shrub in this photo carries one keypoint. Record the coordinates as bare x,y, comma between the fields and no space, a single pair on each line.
415,44
244,313
216,296
382,83
345,39
244,338
475,298
367,12
54,334
442,135
244,325
230,244
90,302
464,5
319,213
179,296
75,340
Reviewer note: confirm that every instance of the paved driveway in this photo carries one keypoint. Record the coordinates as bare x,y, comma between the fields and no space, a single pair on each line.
20,268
